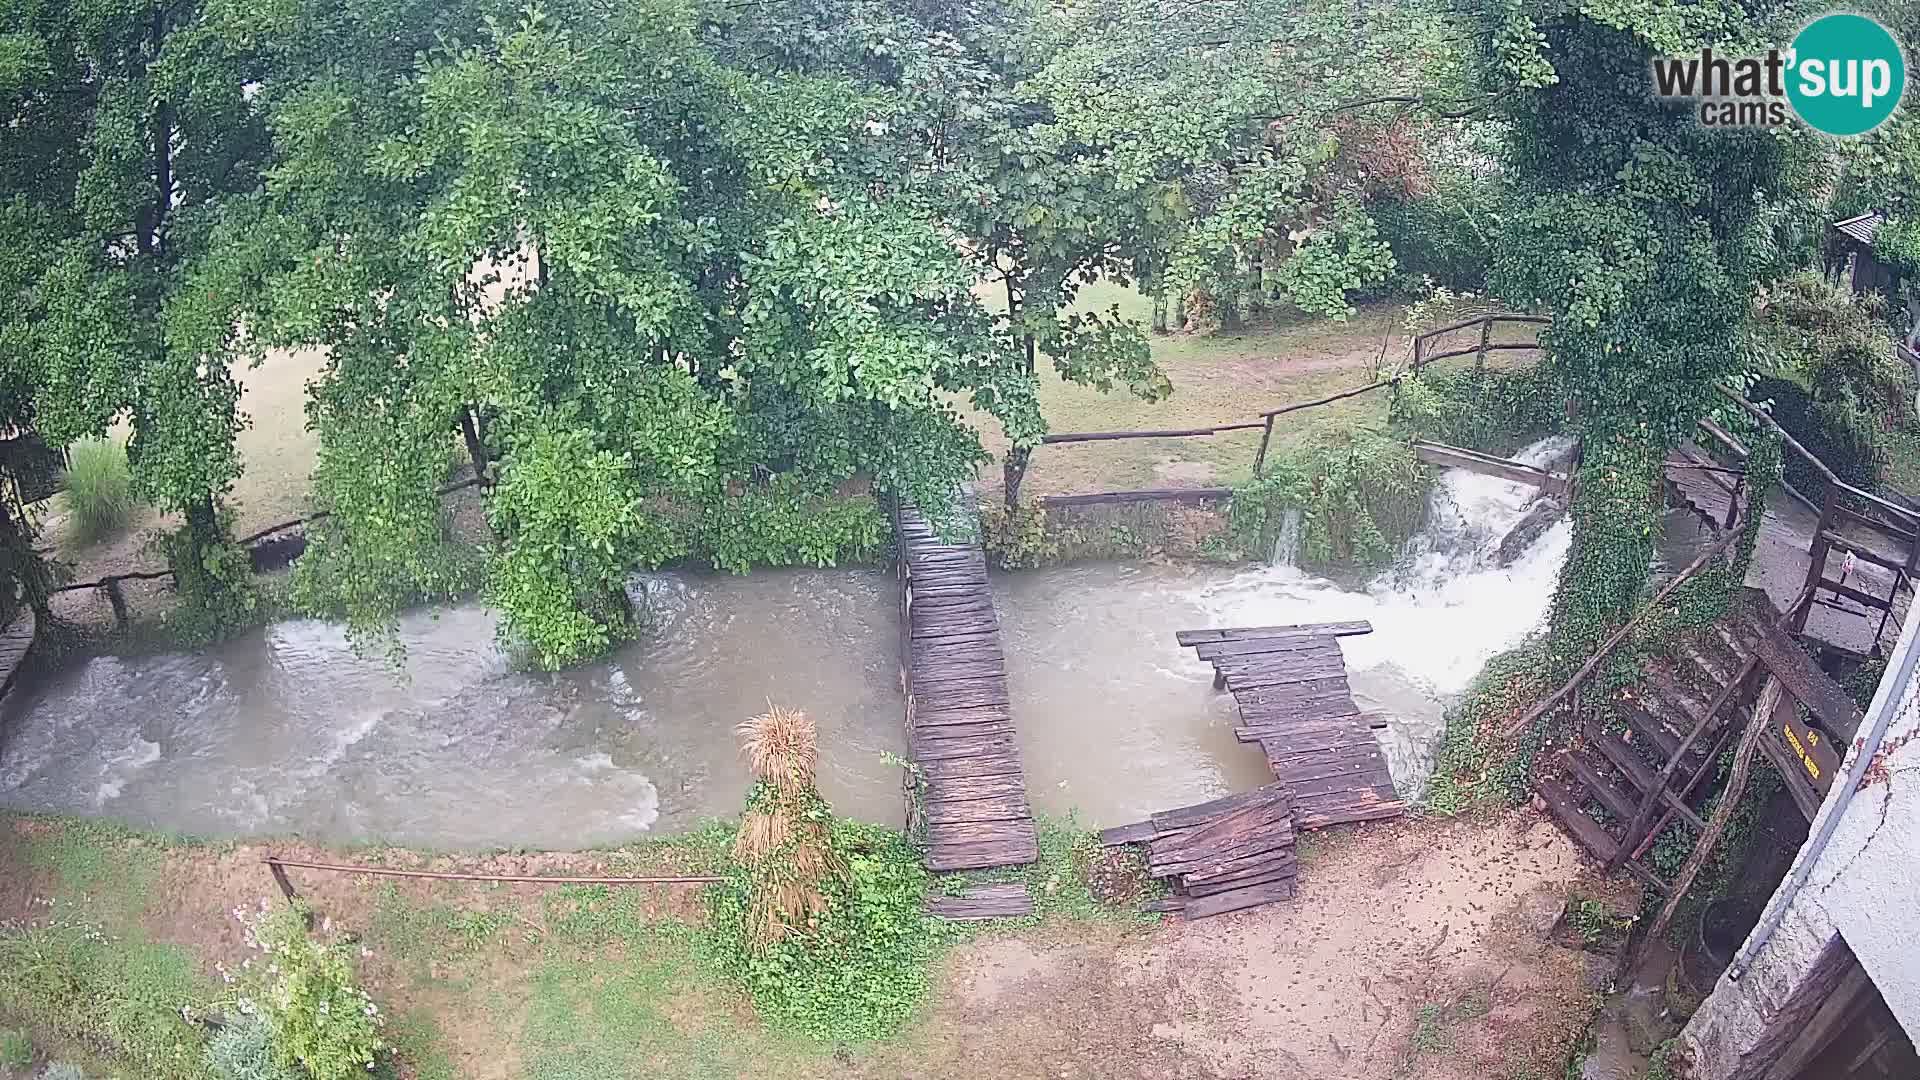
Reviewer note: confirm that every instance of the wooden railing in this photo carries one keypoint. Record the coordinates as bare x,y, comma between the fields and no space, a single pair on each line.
1424,352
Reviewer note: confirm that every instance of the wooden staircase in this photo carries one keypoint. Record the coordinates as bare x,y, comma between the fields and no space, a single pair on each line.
1667,731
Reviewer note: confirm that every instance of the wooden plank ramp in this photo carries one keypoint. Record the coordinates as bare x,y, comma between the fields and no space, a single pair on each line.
973,793
983,902
1291,685
1226,855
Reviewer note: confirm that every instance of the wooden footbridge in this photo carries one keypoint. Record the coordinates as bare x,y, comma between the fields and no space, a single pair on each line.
971,797
1290,683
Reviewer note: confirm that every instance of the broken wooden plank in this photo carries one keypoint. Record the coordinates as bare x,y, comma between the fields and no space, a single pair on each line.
983,902
1243,633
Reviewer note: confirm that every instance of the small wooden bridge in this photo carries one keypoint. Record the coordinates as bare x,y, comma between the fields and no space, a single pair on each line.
972,790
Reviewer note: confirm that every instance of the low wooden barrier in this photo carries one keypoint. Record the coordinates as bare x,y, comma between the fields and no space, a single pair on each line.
1426,350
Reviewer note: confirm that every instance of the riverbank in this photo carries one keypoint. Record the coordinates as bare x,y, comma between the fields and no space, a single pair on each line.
1423,949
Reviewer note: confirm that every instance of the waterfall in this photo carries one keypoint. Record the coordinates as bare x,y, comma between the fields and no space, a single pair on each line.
1439,613
1286,542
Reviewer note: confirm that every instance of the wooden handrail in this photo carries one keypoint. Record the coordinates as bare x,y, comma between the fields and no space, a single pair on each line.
1819,466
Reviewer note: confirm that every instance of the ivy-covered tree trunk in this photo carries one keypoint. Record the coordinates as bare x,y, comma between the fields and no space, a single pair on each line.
1616,515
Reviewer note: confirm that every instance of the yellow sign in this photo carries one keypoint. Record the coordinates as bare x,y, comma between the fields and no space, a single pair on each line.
1816,755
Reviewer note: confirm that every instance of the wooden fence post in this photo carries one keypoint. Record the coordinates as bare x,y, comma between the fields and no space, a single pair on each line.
1260,459
280,879
1486,331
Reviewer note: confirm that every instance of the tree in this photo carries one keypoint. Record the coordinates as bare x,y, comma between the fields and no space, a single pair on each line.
659,276
1645,235
132,141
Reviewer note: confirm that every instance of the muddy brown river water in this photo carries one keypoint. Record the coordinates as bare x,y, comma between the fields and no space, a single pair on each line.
286,730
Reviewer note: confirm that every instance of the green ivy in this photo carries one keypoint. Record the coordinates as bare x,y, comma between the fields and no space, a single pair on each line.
1475,769
1897,244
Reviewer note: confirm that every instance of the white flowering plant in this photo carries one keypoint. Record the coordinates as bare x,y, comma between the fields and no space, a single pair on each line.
319,1019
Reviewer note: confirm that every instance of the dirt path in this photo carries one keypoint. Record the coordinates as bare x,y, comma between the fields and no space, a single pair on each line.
1420,950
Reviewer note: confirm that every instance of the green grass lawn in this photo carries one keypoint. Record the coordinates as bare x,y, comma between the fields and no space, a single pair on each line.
1280,358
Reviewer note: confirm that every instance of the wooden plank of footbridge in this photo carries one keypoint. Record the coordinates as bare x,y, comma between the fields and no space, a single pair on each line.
959,718
1291,685
1221,856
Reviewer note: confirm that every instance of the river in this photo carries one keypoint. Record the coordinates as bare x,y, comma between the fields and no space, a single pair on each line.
285,730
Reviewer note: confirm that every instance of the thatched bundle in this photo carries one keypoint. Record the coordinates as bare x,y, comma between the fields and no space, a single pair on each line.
788,853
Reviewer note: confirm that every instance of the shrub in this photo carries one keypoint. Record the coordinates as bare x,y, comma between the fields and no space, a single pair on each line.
1360,499
99,487
1836,344
1851,447
1437,234
1017,539
16,1050
314,1015
1495,412
822,921
860,968
784,522
243,1050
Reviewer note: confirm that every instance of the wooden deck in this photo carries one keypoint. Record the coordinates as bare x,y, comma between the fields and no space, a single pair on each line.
1697,482
1291,685
15,641
972,798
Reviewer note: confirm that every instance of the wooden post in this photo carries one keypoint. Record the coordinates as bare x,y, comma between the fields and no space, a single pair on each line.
1486,331
1260,459
1770,697
1817,561
1419,353
470,431
280,879
118,600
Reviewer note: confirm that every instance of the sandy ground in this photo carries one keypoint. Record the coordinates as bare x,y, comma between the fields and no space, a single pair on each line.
1417,949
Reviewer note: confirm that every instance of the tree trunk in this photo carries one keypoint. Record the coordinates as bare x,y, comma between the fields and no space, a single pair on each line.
1159,312
1179,312
1014,471
477,451
1230,314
